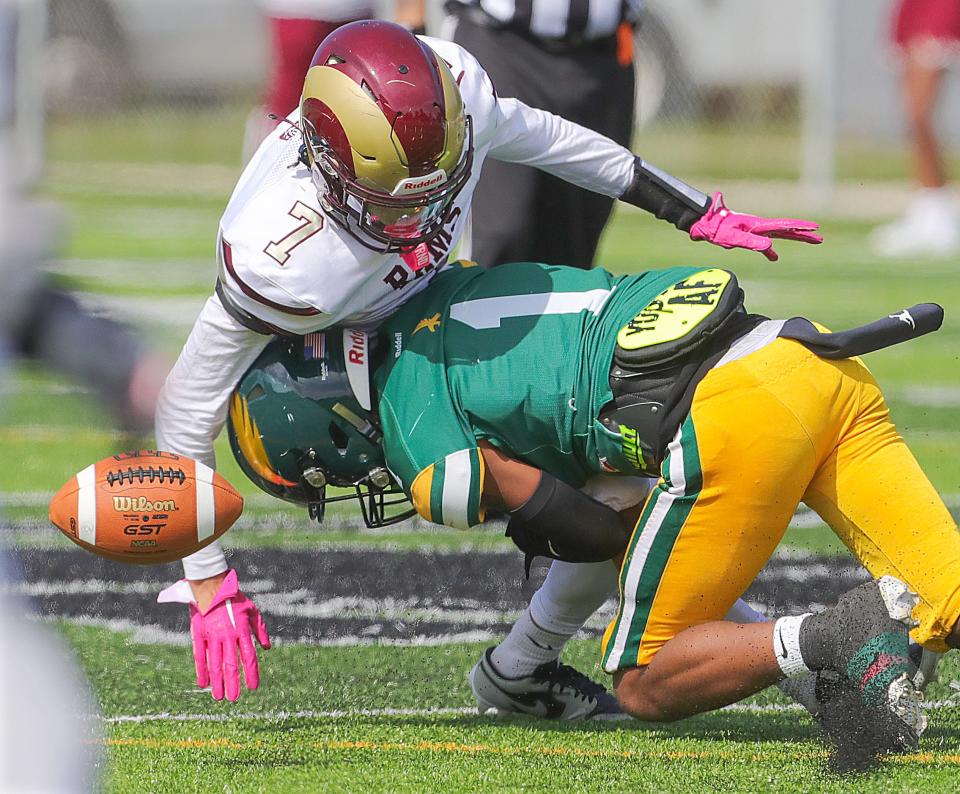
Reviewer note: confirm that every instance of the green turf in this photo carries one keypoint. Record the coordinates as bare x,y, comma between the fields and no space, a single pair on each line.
721,150
448,752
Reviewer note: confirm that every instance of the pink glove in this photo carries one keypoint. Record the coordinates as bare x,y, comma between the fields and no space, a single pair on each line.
218,632
729,229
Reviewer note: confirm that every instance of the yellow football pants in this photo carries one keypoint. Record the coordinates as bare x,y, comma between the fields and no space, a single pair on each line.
765,432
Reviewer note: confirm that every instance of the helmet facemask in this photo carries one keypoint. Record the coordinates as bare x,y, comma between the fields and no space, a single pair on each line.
386,136
377,491
386,222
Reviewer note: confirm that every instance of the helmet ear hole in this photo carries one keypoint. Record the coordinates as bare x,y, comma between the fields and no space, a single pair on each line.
339,437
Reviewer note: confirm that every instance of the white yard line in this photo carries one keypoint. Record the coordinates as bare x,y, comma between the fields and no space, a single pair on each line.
333,714
341,714
57,434
174,312
157,635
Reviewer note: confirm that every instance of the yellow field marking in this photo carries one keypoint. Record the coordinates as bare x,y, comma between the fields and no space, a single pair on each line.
179,744
490,749
474,749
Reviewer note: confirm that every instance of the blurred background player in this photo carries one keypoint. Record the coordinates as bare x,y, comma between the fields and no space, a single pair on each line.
46,731
38,320
926,35
574,59
45,717
296,28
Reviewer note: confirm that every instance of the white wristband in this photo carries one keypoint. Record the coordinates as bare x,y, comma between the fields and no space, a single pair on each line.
207,562
786,645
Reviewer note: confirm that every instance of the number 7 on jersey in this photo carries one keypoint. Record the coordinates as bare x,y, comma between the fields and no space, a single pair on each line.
280,250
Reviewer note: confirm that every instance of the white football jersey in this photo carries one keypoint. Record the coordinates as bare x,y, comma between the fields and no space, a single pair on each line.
283,261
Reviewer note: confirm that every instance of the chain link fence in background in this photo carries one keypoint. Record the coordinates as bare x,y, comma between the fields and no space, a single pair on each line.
727,89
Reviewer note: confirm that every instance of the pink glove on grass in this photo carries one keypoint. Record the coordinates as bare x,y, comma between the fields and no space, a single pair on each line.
222,637
729,229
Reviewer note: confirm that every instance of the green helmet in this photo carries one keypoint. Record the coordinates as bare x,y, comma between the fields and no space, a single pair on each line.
302,418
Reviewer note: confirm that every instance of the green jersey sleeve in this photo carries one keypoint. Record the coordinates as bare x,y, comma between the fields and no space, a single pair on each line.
439,467
429,444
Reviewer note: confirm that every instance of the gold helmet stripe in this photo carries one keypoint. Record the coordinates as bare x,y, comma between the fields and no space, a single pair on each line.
453,110
251,442
378,158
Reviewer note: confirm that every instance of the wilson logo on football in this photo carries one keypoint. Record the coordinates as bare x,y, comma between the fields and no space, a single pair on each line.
140,504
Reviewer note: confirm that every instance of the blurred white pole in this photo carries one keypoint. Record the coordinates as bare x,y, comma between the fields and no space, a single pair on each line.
817,173
30,106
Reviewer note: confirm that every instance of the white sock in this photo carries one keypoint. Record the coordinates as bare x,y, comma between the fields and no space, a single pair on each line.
786,645
742,612
569,595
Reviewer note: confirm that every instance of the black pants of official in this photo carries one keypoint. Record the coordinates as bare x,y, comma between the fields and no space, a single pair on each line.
524,214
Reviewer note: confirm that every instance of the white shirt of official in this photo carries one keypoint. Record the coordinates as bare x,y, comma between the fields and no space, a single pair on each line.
328,277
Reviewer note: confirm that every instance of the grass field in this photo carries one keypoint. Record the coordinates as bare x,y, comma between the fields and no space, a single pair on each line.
366,688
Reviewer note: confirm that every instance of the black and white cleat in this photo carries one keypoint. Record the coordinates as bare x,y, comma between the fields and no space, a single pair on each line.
552,691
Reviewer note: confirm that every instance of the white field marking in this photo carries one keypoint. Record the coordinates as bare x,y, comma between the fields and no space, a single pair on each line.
98,586
339,714
393,610
934,396
175,312
16,386
157,635
300,604
56,434
310,714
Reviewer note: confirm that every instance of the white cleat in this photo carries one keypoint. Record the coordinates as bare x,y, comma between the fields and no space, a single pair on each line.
930,227
906,702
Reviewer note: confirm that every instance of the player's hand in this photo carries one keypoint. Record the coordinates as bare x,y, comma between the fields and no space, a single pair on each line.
729,229
222,632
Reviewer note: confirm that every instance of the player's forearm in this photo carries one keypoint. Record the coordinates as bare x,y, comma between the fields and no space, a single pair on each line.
534,137
194,401
205,588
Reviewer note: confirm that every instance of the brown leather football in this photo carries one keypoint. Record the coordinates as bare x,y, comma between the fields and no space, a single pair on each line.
145,507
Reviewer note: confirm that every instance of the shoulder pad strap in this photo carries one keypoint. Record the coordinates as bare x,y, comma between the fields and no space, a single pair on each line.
244,317
893,329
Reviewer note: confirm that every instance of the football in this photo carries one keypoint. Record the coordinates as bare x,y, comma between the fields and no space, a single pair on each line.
145,507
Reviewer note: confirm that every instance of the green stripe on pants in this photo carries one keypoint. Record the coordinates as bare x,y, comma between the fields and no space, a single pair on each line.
651,546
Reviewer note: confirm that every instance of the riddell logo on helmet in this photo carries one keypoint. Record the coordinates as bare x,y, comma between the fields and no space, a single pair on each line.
417,184
358,347
355,346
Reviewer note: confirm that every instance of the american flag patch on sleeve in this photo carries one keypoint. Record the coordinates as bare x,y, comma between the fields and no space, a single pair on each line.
315,345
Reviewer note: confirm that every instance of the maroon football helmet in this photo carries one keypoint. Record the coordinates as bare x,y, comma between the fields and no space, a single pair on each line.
387,139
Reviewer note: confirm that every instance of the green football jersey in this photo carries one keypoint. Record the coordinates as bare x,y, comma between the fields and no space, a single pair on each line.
518,356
